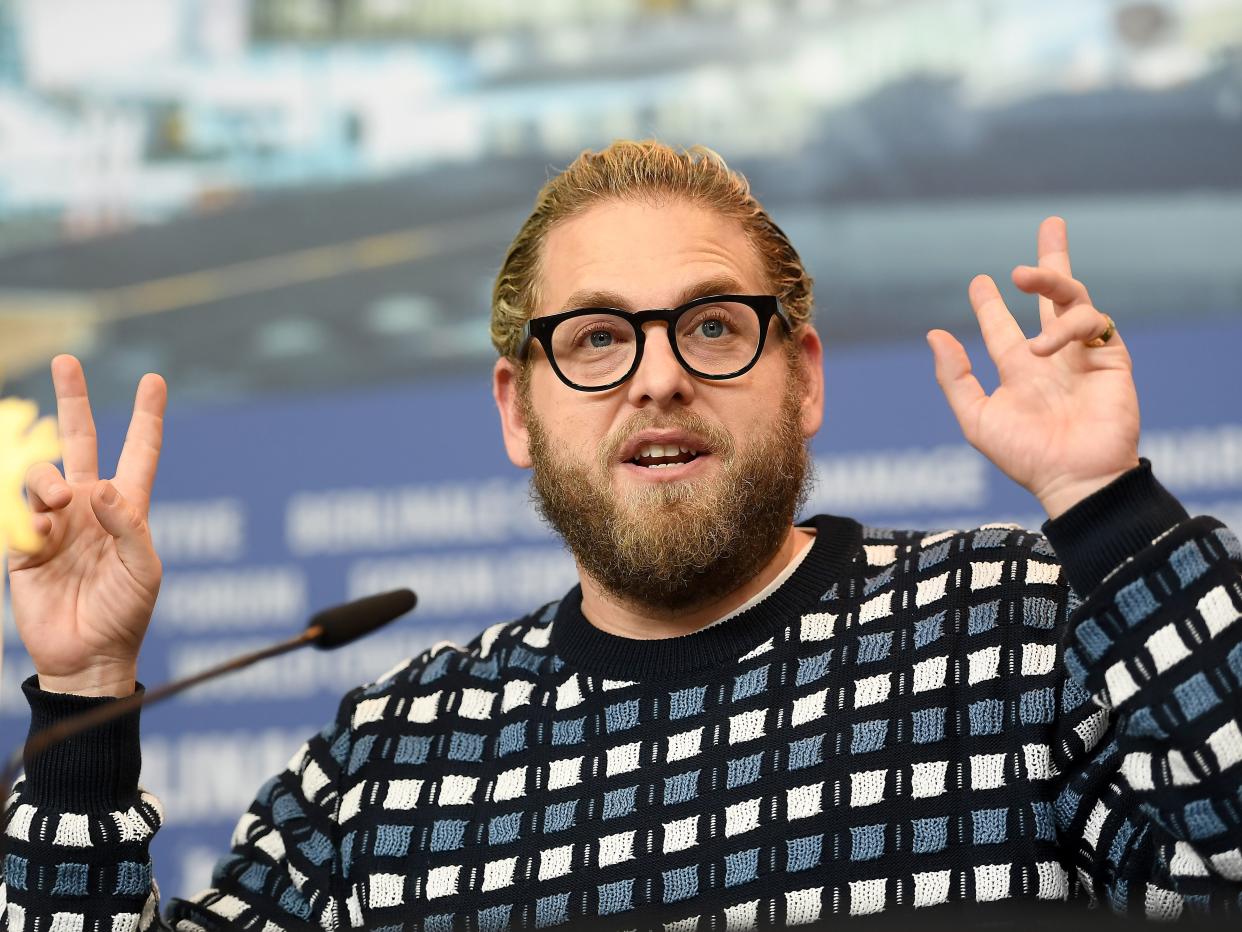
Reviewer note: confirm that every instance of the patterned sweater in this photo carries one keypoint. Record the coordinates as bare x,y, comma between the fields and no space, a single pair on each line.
909,720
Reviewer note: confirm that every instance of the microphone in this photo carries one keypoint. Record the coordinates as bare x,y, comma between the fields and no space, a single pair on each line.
327,630
344,623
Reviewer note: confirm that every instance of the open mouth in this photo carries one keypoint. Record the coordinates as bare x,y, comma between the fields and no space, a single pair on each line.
663,455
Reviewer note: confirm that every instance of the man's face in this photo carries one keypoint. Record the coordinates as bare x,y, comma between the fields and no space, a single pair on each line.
663,536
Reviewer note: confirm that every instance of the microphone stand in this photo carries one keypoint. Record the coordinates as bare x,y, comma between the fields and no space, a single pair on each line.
67,728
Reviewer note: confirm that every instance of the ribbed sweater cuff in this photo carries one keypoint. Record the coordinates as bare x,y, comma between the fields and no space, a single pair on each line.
94,771
1109,527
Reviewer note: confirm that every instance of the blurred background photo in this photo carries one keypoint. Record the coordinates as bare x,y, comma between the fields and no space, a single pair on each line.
294,211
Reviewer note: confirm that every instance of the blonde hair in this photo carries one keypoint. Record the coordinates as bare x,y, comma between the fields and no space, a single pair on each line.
630,169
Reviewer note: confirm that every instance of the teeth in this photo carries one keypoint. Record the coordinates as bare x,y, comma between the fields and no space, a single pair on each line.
663,449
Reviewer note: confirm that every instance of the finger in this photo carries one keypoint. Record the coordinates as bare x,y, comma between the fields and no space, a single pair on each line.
128,526
1052,246
1061,289
46,488
79,448
1052,251
49,530
140,456
961,389
28,549
1077,325
1001,333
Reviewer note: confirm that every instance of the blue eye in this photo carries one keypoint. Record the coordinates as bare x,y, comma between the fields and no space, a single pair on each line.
601,338
712,328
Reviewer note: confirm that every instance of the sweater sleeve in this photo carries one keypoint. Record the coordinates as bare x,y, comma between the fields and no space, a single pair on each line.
1152,812
79,827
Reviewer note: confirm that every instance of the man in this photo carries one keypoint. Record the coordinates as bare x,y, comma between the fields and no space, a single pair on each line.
734,720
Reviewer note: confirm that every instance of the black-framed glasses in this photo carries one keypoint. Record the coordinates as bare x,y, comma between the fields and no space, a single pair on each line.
593,349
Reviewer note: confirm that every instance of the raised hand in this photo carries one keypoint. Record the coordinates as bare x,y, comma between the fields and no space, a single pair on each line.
1064,421
83,601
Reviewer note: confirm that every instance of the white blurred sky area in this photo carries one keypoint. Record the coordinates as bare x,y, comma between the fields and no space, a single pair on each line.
268,195
131,110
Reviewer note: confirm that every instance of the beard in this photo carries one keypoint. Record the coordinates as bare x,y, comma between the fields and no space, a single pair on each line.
673,546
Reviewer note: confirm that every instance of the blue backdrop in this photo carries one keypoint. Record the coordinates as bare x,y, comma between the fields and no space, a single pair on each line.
268,511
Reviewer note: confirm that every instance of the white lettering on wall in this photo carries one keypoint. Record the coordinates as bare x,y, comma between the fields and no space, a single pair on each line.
1198,458
361,520
213,775
194,532
483,583
899,480
214,600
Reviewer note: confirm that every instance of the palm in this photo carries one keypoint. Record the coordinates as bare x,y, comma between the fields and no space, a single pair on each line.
82,603
1064,419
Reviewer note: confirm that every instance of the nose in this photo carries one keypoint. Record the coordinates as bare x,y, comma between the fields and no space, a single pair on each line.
660,380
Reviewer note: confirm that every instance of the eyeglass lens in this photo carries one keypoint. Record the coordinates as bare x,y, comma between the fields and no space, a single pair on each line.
714,339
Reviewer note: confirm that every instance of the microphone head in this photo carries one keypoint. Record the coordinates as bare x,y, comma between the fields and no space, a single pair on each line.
344,623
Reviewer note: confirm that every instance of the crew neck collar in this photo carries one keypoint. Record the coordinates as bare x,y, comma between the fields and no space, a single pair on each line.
582,645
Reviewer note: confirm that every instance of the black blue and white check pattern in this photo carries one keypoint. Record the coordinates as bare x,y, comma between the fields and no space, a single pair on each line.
911,720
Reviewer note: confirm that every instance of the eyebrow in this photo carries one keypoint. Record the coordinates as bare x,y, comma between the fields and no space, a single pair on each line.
592,298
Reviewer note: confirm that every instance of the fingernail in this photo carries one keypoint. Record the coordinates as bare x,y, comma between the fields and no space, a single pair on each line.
108,495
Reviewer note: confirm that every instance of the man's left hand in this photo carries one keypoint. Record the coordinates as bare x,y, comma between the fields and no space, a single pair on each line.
1064,421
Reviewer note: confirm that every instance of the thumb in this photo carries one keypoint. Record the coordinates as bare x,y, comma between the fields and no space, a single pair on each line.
129,529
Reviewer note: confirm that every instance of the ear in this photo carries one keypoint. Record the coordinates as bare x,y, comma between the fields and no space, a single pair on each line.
811,350
512,422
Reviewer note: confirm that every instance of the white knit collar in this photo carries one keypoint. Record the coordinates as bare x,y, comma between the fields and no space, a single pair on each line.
771,587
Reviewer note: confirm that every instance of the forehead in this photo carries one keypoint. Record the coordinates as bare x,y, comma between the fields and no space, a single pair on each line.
648,254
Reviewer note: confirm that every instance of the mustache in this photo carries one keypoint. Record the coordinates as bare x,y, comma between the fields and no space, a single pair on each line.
718,439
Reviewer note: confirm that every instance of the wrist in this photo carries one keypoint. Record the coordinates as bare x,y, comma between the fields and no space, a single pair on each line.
101,682
1110,527
1059,497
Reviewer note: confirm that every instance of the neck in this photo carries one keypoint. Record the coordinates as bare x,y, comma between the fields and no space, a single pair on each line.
651,622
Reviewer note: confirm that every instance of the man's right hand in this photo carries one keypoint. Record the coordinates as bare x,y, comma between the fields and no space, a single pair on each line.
82,603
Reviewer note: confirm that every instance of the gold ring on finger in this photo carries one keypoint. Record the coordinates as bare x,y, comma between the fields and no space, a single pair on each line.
1105,335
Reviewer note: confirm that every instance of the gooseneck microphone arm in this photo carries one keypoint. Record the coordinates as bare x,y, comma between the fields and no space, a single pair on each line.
101,714
329,629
